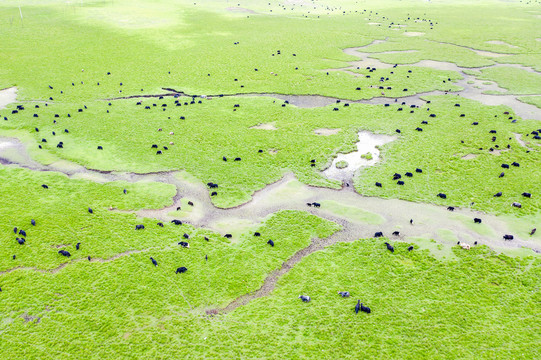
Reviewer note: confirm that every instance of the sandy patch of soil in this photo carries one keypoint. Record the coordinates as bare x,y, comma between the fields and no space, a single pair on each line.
267,126
413,33
7,96
498,42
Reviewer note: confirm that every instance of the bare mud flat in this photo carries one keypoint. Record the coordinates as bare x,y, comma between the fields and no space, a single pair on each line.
499,42
7,96
267,126
413,33
489,53
368,143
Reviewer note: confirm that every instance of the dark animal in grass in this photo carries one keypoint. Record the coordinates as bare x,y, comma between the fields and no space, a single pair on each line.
21,241
206,238
238,159
442,195
502,175
378,184
515,164
257,234
190,203
505,166
271,243
517,205
508,237
125,191
410,248
224,158
408,174
316,204
139,227
378,234
154,262
533,231
214,193
344,294
181,270
396,233
411,221
77,246
389,247
64,253
22,233
33,222
525,194
396,176
44,186
361,307
498,194
400,182
229,236
176,222
477,220
304,298
90,210
100,147
450,208
160,224
418,170
184,244
186,236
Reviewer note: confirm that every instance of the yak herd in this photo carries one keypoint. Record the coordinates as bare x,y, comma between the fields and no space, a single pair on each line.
22,236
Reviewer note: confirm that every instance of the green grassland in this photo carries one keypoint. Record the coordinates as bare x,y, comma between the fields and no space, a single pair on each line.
533,100
80,68
420,307
213,129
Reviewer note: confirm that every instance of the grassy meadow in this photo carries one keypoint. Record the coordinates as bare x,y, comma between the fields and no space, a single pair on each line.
140,90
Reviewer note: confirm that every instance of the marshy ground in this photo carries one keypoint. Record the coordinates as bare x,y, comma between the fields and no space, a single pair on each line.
314,125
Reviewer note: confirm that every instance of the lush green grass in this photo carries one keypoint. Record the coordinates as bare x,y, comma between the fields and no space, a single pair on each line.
128,131
434,302
416,301
533,100
517,81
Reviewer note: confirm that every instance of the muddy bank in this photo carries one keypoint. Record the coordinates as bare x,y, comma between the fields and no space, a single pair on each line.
288,193
7,96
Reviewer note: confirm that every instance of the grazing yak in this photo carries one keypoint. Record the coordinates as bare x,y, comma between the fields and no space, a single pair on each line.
477,220
181,270
304,298
389,247
344,293
154,262
361,307
139,227
184,244
508,237
64,253
271,243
